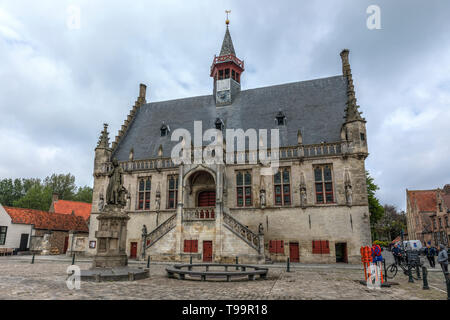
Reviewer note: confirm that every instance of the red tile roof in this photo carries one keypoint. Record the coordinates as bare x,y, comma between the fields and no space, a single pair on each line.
47,220
426,199
81,209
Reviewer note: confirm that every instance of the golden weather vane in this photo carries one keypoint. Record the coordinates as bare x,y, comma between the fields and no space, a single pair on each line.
227,12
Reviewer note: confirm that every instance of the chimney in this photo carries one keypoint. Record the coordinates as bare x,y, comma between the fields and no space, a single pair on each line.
142,93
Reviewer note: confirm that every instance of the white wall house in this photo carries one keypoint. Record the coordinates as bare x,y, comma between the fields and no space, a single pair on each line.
14,235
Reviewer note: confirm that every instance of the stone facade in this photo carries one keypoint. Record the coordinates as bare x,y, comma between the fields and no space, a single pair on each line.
244,231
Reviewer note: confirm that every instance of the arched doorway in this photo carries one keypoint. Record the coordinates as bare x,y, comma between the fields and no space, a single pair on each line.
206,198
200,190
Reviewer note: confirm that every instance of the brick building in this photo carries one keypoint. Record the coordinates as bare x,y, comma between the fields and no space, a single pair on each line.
427,214
19,225
313,209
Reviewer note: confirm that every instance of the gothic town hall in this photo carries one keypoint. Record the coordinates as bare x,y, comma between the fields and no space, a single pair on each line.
314,209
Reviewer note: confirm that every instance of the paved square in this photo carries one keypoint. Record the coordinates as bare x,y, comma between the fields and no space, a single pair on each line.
46,280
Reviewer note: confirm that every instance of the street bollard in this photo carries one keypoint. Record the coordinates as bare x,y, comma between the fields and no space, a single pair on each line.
448,287
148,262
73,259
288,269
385,271
410,275
237,262
32,259
190,260
425,279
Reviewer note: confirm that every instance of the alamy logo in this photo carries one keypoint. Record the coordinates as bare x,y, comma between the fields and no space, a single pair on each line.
73,17
73,280
374,20
241,147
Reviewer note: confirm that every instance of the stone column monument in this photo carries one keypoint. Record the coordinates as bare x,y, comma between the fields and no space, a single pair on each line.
112,228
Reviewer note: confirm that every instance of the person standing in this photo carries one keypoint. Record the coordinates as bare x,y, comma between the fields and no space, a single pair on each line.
396,253
430,252
443,260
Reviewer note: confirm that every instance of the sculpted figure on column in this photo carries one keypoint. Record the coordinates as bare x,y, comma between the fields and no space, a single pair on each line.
115,193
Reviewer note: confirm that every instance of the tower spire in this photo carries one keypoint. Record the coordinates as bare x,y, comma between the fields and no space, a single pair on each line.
351,112
103,141
227,44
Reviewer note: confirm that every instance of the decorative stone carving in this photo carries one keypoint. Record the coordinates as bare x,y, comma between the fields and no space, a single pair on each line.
262,198
348,189
303,195
260,229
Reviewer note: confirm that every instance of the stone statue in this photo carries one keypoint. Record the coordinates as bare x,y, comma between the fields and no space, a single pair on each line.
116,192
348,194
303,200
260,229
144,231
262,197
101,202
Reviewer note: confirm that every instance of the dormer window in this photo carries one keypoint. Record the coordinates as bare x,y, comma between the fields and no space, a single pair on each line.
219,124
281,118
164,130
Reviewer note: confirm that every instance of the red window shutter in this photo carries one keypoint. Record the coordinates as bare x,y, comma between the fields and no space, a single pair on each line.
186,246
325,247
281,246
316,247
271,246
194,245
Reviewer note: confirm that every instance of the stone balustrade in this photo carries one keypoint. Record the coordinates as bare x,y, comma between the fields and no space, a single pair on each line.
199,214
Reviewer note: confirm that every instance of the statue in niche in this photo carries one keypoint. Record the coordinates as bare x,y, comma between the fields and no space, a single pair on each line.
101,202
348,189
262,197
260,229
144,231
116,192
303,200
348,194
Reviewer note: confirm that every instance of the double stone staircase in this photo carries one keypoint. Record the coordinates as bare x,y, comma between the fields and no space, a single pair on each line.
254,240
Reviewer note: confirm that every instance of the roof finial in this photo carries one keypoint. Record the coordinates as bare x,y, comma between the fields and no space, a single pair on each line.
227,22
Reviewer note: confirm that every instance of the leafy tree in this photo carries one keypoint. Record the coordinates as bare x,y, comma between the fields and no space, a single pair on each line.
376,210
84,194
33,193
38,197
62,184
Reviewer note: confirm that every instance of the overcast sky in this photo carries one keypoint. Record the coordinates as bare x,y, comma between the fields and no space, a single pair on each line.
59,81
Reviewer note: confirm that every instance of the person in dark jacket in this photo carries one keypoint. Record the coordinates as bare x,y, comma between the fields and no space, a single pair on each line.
430,252
396,252
443,259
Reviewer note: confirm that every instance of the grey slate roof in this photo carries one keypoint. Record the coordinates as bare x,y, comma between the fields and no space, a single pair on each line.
227,44
317,107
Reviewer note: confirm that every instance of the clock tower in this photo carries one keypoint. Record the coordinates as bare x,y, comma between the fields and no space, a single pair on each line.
226,72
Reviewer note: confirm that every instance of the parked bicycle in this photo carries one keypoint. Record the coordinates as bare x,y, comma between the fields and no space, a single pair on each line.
404,265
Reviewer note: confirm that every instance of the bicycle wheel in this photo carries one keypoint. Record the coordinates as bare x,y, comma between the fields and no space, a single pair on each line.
391,271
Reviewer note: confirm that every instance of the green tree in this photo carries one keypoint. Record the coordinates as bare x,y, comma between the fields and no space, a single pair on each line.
38,197
84,194
62,184
376,210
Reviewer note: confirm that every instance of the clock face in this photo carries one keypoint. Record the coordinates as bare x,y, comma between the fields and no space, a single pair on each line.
223,96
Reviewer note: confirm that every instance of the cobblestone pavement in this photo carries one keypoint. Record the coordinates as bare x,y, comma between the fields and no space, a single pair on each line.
46,280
